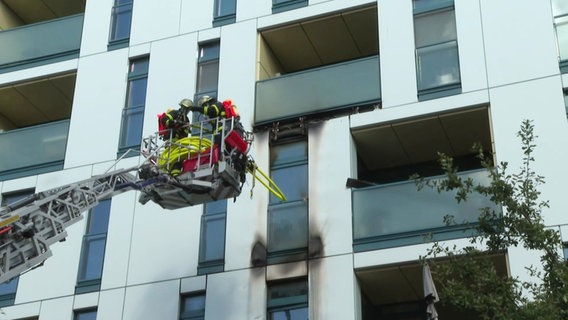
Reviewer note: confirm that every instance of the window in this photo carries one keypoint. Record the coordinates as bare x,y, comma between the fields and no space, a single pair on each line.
560,12
8,289
192,307
437,61
288,300
212,242
566,250
285,5
133,112
288,221
566,100
85,315
121,19
225,12
93,249
207,73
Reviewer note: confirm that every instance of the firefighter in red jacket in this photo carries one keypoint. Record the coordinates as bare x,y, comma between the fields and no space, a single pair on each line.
176,122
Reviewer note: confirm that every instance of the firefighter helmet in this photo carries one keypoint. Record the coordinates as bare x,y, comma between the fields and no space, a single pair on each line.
186,103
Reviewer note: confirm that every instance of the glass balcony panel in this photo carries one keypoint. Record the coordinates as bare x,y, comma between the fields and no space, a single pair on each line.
50,39
399,209
33,146
316,90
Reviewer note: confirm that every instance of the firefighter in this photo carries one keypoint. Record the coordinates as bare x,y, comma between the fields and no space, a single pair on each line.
176,121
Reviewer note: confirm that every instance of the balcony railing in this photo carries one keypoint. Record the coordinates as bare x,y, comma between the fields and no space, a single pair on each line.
399,214
328,88
43,42
33,150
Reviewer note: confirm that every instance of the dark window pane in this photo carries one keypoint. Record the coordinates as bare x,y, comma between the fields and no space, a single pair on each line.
294,314
92,257
137,92
435,28
438,66
9,287
293,181
86,315
208,76
562,37
99,217
288,153
121,21
209,51
216,207
212,243
132,123
225,7
287,226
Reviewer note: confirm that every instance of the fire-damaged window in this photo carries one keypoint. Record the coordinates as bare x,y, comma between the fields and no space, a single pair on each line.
288,300
288,221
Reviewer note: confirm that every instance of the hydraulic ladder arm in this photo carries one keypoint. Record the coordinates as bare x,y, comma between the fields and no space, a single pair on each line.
30,226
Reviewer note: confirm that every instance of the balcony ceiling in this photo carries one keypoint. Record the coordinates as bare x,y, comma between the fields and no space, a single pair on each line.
416,141
32,11
326,40
36,102
403,283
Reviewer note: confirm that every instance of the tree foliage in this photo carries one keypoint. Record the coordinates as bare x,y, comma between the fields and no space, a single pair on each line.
467,278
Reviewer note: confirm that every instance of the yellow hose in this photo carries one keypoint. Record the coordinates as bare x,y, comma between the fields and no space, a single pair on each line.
265,180
182,149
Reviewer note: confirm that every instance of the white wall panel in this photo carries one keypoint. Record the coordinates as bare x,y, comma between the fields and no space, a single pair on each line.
329,200
396,43
111,304
195,15
541,101
57,309
516,49
20,311
470,45
172,76
332,289
154,20
165,243
100,92
236,295
96,27
152,301
252,9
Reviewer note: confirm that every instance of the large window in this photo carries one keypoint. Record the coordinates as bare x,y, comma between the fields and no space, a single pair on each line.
212,242
288,221
120,23
560,12
192,307
225,12
90,314
93,250
207,73
8,289
133,112
288,300
437,61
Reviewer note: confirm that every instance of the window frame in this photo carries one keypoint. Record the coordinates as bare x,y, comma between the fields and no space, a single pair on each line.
288,302
212,214
133,115
208,53
434,91
221,19
85,281
286,5
78,314
278,255
120,42
198,314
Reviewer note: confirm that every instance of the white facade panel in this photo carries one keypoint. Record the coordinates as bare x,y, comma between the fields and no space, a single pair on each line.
84,301
96,27
517,50
164,244
57,309
470,45
329,200
332,289
195,15
540,101
154,20
100,92
242,292
396,46
21,311
111,304
152,301
252,9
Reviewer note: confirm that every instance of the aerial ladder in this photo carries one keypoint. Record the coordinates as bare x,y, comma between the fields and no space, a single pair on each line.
209,164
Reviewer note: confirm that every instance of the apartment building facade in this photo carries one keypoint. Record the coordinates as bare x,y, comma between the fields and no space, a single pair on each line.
346,99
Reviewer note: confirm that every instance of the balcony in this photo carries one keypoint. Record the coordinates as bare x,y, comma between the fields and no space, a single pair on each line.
318,90
398,214
41,43
33,150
